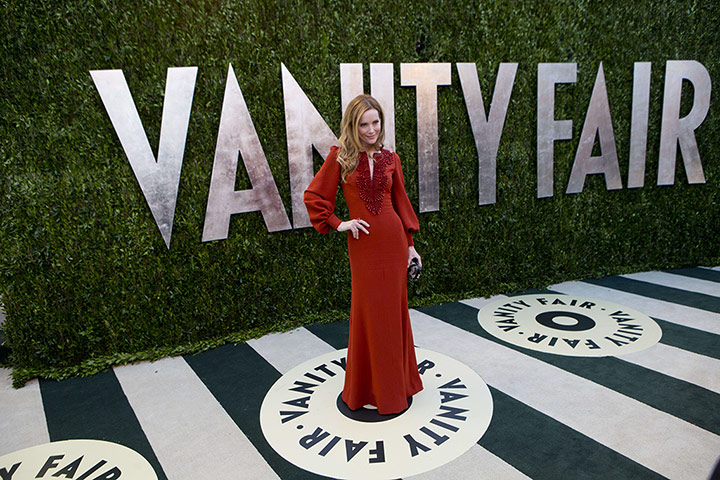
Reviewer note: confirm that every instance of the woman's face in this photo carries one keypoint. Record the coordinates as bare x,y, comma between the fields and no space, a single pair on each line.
369,128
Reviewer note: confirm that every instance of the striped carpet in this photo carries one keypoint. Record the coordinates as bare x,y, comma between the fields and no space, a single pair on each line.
651,414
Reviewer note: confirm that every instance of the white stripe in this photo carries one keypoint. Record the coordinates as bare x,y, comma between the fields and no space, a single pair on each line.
671,312
681,364
475,463
285,351
663,443
22,417
713,268
681,282
479,303
189,431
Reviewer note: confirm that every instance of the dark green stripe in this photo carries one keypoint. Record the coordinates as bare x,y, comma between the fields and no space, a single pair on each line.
660,292
336,333
94,408
239,378
543,448
699,273
684,400
689,339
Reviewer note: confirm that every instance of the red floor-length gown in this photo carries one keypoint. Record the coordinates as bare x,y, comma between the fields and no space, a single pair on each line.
381,365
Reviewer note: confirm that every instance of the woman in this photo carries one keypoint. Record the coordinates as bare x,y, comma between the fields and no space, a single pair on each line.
381,366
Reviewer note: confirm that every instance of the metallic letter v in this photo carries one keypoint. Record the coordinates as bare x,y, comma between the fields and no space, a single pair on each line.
159,180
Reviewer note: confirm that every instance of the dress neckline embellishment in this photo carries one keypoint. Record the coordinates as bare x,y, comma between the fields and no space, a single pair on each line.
372,190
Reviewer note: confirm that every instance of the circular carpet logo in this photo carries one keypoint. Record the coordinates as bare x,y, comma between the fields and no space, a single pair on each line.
307,423
79,459
569,325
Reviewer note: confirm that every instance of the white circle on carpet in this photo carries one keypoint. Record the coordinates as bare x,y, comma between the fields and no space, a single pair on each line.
569,325
80,459
306,422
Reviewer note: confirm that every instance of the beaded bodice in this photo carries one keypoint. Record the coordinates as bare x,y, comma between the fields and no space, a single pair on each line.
372,189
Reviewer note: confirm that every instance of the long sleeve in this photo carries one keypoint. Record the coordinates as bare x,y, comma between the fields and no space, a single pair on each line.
320,195
401,202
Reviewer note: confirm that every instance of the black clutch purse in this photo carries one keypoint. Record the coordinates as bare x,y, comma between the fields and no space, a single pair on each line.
414,270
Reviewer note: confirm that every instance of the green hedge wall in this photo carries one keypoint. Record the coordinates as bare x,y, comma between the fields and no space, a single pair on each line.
85,277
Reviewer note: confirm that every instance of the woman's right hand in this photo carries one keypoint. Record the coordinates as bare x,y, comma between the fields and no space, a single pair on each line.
355,226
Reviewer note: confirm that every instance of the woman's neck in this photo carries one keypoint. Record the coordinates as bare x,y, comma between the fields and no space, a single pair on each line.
369,149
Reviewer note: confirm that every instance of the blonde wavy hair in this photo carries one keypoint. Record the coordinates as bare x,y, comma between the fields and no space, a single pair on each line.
350,145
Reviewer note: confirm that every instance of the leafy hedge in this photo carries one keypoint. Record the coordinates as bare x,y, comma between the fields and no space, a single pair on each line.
85,277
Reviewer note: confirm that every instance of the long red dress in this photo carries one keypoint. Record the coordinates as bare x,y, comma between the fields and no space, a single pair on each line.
381,364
